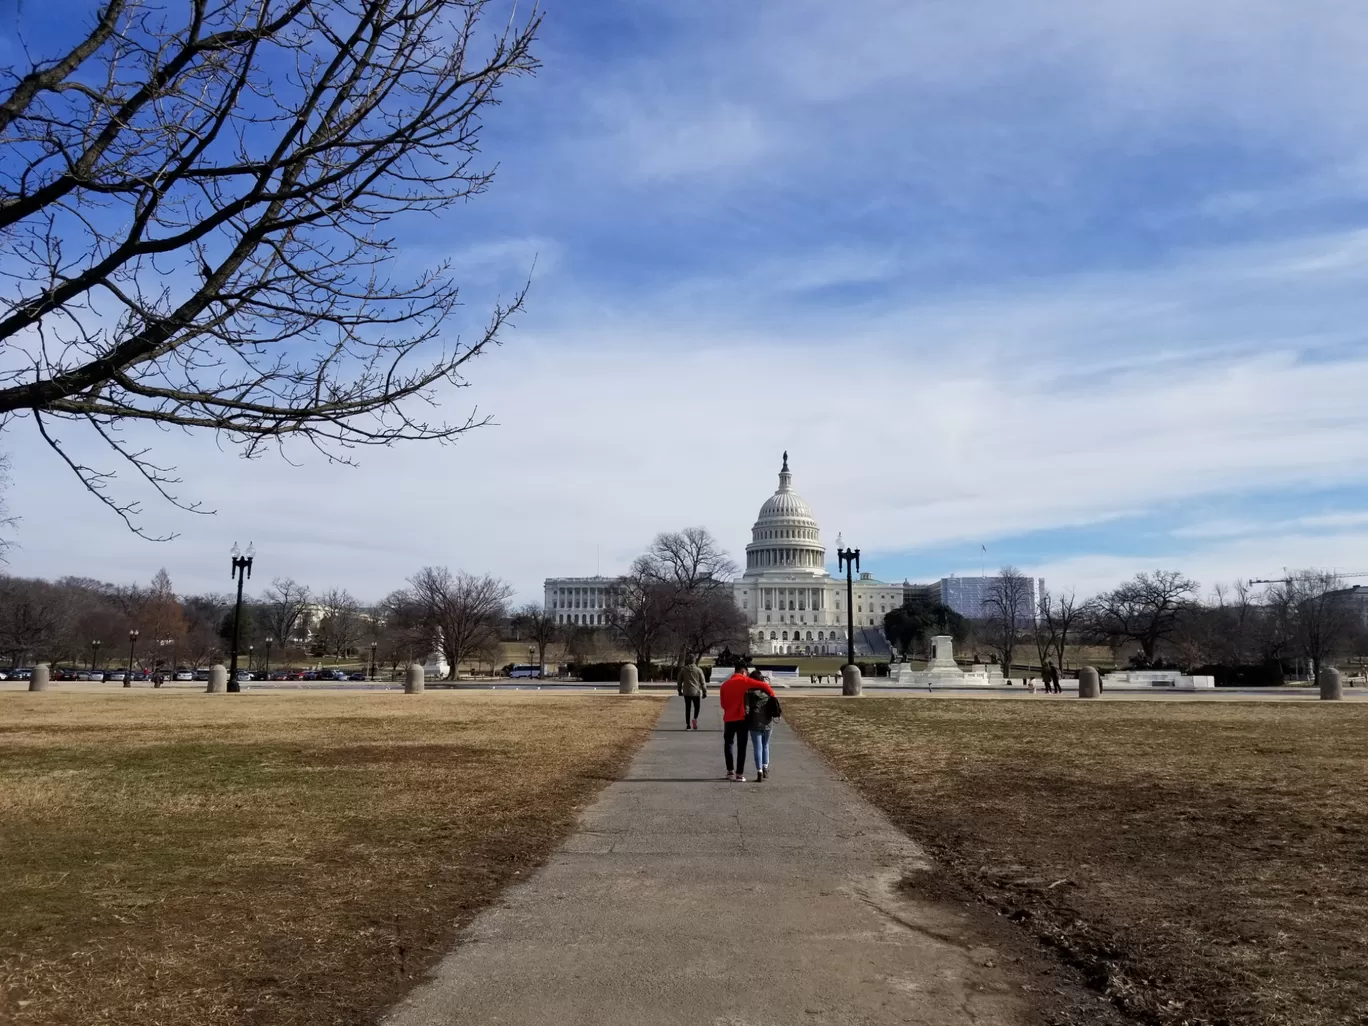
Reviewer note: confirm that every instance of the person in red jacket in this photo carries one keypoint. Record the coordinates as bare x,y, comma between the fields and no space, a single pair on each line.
733,697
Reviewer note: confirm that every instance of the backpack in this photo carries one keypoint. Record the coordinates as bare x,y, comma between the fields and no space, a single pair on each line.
757,709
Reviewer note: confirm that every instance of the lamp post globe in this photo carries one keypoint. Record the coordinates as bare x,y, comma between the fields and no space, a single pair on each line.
94,652
242,569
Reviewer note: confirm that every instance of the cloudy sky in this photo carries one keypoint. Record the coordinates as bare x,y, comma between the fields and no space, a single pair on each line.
1080,283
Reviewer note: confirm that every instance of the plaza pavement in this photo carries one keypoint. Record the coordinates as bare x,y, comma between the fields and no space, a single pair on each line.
685,899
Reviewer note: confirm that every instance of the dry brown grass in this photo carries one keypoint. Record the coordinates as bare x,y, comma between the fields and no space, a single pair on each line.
1200,862
287,858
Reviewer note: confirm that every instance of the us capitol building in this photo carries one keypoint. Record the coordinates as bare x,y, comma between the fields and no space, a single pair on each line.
794,606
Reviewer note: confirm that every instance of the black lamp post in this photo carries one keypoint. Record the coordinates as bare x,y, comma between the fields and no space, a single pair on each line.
269,639
850,559
251,657
372,662
94,653
242,568
132,643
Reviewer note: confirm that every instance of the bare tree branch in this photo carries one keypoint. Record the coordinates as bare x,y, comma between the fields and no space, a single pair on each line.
191,217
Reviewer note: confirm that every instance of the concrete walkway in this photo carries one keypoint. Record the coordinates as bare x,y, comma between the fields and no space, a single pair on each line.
686,899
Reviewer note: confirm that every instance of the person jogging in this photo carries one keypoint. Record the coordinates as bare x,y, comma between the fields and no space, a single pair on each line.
762,709
733,697
693,686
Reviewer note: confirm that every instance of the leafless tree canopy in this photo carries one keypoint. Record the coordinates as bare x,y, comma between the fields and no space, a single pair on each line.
192,211
540,627
283,611
1315,616
1007,612
1146,609
462,612
677,598
340,623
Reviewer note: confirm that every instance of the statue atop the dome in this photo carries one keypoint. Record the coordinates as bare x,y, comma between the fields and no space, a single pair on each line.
784,469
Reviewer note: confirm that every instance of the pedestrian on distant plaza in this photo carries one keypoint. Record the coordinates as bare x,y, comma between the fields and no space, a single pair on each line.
762,709
733,697
693,686
1051,678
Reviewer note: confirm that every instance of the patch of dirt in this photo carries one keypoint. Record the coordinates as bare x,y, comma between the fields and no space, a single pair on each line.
1193,862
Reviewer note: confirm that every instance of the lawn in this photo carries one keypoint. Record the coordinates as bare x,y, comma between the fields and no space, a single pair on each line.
1198,862
297,858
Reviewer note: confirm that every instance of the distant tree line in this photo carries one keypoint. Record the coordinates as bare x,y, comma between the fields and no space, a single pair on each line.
1242,633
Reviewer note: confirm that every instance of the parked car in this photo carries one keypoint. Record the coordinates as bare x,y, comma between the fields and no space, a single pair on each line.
184,674
22,673
201,674
88,675
331,675
3,675
244,675
357,675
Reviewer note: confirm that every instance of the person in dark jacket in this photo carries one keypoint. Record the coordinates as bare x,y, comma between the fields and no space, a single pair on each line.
762,709
732,694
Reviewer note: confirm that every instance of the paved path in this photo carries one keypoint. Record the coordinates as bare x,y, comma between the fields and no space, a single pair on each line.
685,899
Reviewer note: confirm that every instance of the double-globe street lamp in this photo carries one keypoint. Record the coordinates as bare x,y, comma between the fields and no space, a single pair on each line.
94,653
850,560
242,568
132,643
269,638
373,646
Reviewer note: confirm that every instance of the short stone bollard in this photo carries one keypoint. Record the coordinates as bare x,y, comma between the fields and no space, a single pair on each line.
40,678
627,679
1089,682
413,679
1331,685
851,683
218,680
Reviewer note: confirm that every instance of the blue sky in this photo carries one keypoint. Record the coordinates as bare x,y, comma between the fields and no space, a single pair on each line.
1081,283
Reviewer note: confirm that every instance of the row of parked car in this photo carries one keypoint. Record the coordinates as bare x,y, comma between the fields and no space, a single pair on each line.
184,673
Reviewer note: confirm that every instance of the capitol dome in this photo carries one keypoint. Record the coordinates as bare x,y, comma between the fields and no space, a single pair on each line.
785,538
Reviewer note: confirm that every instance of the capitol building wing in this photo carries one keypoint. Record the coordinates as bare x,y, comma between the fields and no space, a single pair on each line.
793,604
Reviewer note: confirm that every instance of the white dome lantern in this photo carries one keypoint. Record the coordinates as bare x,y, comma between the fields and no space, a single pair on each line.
785,538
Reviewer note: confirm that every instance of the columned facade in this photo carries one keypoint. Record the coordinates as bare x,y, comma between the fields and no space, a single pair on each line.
794,605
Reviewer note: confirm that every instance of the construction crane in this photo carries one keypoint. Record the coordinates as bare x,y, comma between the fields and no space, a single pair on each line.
1288,580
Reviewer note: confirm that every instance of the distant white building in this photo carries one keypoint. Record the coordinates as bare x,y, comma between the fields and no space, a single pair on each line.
967,595
793,605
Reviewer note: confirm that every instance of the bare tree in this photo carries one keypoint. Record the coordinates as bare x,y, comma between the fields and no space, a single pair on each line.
284,611
705,619
340,624
33,619
7,522
1064,616
539,624
163,621
461,611
689,559
401,635
669,599
191,208
1007,612
204,614
1316,615
1145,609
